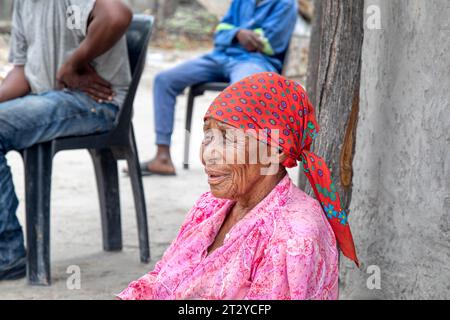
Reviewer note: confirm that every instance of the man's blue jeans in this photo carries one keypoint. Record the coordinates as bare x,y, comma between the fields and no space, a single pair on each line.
169,84
30,120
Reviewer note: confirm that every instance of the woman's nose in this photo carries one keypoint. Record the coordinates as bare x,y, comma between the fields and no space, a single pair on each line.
209,154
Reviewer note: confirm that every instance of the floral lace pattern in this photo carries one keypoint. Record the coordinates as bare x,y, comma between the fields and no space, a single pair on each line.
284,248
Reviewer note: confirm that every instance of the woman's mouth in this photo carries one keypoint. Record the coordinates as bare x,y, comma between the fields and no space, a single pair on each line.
216,177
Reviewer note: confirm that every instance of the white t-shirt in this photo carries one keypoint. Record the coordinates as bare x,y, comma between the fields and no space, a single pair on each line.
46,32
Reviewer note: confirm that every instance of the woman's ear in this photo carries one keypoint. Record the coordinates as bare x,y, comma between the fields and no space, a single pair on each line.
281,157
276,156
275,163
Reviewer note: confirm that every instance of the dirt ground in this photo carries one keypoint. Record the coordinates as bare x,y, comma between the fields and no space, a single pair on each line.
75,216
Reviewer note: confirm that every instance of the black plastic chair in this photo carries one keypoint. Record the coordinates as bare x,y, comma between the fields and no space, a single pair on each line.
105,149
198,90
195,91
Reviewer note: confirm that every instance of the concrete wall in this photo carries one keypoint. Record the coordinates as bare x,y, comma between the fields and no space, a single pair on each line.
400,210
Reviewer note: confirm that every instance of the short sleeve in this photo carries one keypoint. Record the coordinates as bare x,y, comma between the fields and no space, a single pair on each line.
294,270
18,43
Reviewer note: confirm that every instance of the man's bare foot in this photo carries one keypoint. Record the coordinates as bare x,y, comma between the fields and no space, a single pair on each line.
161,164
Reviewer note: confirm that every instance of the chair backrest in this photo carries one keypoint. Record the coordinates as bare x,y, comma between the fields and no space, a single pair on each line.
138,37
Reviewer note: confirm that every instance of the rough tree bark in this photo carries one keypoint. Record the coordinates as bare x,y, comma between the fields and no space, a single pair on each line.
333,86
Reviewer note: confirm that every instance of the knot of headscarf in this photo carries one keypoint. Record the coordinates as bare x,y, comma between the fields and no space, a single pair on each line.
269,102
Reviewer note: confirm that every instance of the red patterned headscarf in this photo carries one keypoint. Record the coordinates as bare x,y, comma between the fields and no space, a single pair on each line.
268,102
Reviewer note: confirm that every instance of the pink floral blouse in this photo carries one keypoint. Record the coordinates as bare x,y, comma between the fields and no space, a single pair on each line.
284,248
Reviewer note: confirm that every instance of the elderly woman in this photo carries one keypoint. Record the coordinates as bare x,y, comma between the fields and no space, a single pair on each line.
255,235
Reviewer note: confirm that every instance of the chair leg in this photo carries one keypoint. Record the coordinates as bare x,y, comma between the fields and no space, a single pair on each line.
38,171
139,198
187,132
108,193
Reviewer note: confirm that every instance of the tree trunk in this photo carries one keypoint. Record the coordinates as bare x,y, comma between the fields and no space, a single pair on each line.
333,86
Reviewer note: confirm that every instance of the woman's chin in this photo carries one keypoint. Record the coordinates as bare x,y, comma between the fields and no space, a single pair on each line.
220,186
216,192
220,192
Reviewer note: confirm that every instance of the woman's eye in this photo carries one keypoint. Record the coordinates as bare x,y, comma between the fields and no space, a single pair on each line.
207,138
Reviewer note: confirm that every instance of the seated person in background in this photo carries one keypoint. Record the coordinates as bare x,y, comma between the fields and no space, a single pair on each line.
256,235
70,76
252,37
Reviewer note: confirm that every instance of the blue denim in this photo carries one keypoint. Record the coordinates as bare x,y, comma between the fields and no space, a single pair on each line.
169,84
34,119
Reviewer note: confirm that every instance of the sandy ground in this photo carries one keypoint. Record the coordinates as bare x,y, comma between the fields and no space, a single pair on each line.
75,216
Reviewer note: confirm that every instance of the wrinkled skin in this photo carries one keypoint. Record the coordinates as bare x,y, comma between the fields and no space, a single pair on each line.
240,182
231,179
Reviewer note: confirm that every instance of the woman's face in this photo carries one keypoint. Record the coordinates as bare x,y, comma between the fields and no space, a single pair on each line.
233,160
